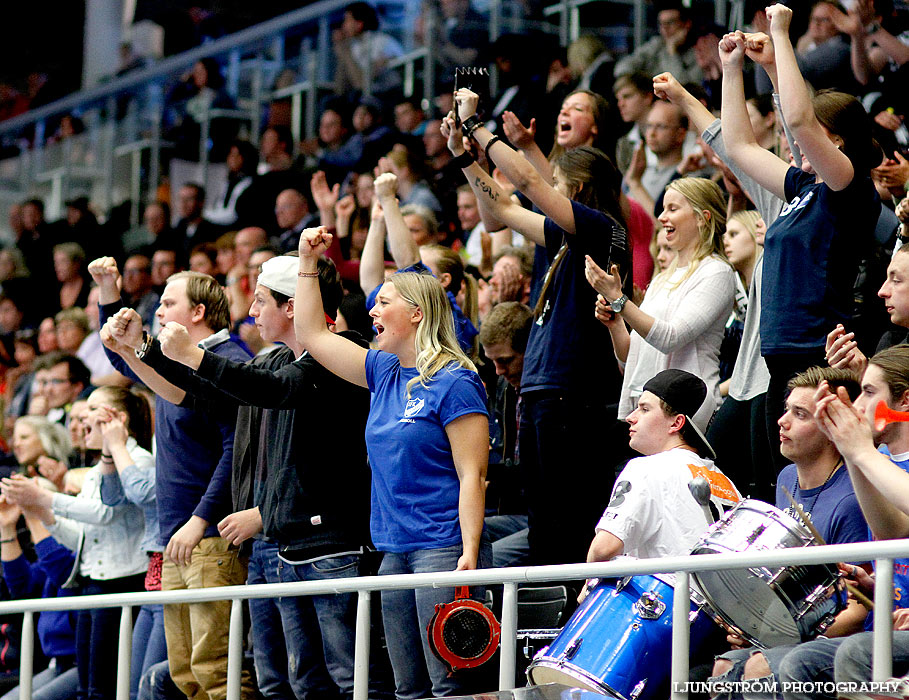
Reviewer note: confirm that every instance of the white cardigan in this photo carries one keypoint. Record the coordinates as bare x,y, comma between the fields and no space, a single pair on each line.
687,332
108,539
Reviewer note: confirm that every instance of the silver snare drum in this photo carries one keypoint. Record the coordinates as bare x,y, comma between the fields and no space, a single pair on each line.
767,606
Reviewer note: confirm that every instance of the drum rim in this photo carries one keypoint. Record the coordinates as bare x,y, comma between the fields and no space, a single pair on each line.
709,543
581,675
781,516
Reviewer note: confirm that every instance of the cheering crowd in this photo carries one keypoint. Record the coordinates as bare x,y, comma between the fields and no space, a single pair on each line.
434,347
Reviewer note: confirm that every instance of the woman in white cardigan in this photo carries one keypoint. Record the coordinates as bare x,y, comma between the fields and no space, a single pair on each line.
680,322
107,540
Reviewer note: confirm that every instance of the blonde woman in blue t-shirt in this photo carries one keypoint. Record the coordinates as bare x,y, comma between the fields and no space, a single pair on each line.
428,442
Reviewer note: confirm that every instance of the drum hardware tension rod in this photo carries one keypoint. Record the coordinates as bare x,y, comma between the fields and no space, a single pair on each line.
758,531
857,594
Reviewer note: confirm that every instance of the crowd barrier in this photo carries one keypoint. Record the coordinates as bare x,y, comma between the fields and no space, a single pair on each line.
882,553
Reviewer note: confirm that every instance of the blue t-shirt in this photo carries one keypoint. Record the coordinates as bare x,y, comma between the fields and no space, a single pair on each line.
811,257
832,507
900,566
415,487
568,349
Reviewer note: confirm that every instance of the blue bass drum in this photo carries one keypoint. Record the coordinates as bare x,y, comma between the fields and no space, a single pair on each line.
618,642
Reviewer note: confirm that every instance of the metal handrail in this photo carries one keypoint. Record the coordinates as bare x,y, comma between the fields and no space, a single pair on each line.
263,32
882,552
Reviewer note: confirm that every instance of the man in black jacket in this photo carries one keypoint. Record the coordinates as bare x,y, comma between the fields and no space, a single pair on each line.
311,502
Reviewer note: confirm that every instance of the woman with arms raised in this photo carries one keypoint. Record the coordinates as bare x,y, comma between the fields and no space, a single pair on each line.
427,437
812,251
566,388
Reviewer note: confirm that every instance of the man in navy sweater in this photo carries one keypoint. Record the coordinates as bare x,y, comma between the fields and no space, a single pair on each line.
193,465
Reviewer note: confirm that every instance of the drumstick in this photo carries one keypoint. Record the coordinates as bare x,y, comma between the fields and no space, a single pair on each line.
857,594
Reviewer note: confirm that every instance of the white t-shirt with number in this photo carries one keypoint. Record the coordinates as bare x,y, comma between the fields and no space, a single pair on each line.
652,510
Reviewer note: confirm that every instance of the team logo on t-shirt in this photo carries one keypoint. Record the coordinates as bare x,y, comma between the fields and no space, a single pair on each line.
413,407
797,203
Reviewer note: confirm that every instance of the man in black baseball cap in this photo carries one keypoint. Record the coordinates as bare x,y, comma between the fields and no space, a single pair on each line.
681,393
652,512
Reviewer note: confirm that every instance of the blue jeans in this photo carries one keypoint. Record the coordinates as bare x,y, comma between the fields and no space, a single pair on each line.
509,539
812,662
157,684
774,657
149,646
319,630
97,632
407,613
269,655
853,658
57,682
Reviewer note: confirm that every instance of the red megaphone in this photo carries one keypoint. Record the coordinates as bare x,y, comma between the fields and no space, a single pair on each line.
883,415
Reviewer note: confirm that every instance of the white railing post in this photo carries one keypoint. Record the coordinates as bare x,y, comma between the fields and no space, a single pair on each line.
235,650
681,607
882,649
124,652
361,646
26,655
509,639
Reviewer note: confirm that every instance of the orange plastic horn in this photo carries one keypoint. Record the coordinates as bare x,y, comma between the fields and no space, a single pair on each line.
883,415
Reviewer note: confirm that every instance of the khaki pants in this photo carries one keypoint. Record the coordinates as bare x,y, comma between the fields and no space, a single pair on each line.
197,633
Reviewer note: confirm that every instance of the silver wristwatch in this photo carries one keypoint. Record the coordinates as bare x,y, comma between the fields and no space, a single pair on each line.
618,304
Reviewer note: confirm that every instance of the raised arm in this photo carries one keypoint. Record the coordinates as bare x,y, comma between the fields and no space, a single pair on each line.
338,355
325,198
372,259
761,165
829,162
122,334
522,138
105,274
517,168
404,250
666,87
490,196
633,178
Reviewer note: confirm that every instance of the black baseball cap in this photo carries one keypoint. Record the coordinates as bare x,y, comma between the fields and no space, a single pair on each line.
685,393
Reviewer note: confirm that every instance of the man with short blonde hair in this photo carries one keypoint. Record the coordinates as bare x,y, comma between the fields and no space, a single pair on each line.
192,480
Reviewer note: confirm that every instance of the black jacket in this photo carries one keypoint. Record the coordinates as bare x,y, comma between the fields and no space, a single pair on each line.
299,451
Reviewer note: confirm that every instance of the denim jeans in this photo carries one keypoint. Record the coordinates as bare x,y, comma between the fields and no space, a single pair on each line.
774,657
97,632
811,662
319,630
157,684
269,654
58,681
149,646
508,534
407,613
853,658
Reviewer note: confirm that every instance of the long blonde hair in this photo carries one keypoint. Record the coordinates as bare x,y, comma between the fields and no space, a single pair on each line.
749,219
703,195
436,343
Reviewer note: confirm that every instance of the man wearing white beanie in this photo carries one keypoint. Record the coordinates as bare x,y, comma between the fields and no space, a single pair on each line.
310,500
